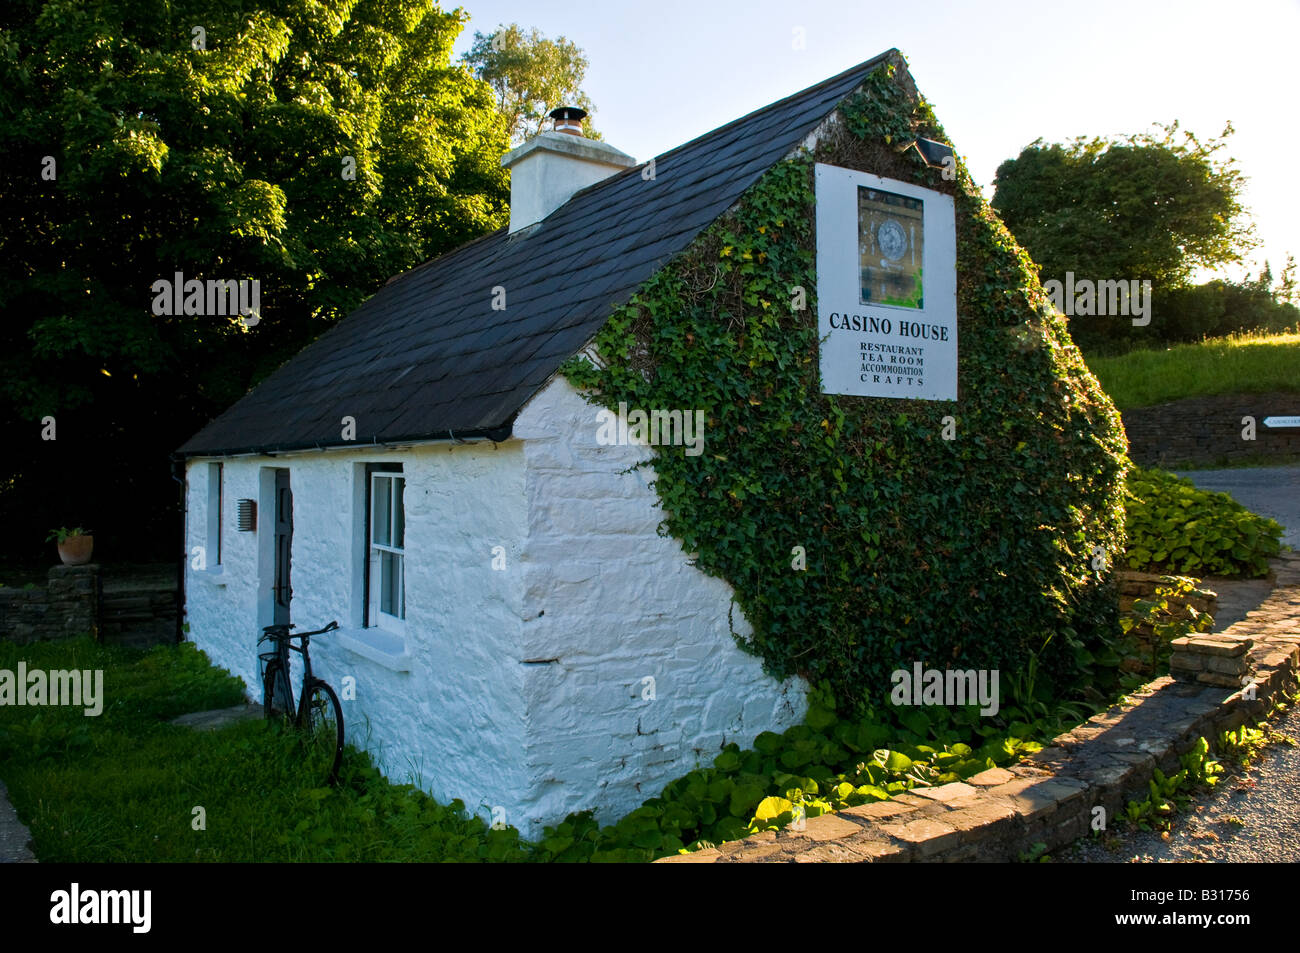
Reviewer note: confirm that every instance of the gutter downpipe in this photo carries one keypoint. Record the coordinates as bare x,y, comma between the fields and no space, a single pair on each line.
178,474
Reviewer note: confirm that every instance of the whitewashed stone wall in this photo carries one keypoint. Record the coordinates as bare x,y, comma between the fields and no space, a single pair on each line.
613,604
453,720
524,688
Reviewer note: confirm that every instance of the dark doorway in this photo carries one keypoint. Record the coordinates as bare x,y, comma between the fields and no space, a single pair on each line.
282,590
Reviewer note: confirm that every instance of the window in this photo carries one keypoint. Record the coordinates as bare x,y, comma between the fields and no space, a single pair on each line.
212,557
385,589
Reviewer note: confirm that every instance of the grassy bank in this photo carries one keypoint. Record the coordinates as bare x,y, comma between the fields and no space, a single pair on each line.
1241,364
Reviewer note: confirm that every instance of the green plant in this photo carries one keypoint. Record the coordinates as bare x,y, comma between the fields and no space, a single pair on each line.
1239,745
1166,623
63,534
1166,794
1173,526
117,783
1199,768
1037,853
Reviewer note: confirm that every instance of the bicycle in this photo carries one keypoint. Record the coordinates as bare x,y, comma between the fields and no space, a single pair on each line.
319,715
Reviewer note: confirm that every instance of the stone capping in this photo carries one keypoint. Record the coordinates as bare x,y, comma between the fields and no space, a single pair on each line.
1051,797
1220,659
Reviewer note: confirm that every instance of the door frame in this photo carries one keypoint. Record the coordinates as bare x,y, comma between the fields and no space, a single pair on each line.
266,545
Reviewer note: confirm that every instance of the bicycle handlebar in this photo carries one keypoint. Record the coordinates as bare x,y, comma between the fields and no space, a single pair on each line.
281,631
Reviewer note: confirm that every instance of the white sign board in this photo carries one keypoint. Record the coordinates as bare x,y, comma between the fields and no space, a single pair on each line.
1282,421
886,287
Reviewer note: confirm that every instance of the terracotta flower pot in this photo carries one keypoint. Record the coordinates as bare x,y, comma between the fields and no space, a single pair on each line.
76,550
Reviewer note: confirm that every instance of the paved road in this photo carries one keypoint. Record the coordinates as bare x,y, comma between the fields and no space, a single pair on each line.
1269,491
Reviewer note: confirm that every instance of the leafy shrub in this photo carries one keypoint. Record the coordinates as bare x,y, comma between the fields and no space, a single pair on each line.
1189,313
1174,527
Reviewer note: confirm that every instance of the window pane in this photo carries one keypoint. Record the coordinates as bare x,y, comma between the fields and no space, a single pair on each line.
399,514
381,518
389,567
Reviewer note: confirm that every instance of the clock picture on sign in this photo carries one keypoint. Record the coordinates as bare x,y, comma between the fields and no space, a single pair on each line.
886,287
891,231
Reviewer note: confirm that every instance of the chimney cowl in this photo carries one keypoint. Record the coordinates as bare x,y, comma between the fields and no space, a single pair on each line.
568,119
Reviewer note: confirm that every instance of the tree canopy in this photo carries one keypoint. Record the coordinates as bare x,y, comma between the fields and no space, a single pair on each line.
1134,207
315,146
530,75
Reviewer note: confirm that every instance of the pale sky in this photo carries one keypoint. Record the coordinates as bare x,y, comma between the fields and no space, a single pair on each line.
998,74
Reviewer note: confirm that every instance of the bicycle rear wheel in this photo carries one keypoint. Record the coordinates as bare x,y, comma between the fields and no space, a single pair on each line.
322,725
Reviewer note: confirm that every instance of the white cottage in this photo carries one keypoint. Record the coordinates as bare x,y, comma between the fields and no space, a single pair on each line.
519,634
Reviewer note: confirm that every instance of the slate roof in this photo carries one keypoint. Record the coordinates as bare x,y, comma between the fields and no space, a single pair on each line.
426,357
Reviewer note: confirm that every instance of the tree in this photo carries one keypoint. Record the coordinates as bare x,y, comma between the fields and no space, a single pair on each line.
317,149
530,76
1286,284
1136,207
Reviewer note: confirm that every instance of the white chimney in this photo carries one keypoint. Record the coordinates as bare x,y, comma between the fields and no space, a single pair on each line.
548,169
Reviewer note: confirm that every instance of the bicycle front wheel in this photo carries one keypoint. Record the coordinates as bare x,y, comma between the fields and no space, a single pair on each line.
322,725
275,690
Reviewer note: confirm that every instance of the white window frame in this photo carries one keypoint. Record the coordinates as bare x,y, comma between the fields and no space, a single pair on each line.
212,545
378,617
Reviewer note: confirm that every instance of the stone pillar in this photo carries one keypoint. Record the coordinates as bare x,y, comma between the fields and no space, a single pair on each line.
1211,660
73,601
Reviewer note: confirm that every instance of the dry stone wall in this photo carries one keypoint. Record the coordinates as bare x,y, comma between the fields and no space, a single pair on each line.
1208,430
65,607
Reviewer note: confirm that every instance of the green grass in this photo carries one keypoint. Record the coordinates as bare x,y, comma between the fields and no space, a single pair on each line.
1241,364
123,786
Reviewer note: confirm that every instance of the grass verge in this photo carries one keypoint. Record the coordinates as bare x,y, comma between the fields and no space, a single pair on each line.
1240,364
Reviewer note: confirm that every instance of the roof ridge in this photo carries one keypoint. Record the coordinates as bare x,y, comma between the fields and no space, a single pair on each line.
831,81
838,77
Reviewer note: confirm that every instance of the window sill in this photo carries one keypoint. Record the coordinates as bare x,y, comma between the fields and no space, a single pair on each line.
381,647
213,577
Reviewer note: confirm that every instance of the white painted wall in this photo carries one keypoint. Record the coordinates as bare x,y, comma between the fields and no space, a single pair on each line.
615,603
587,582
454,721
